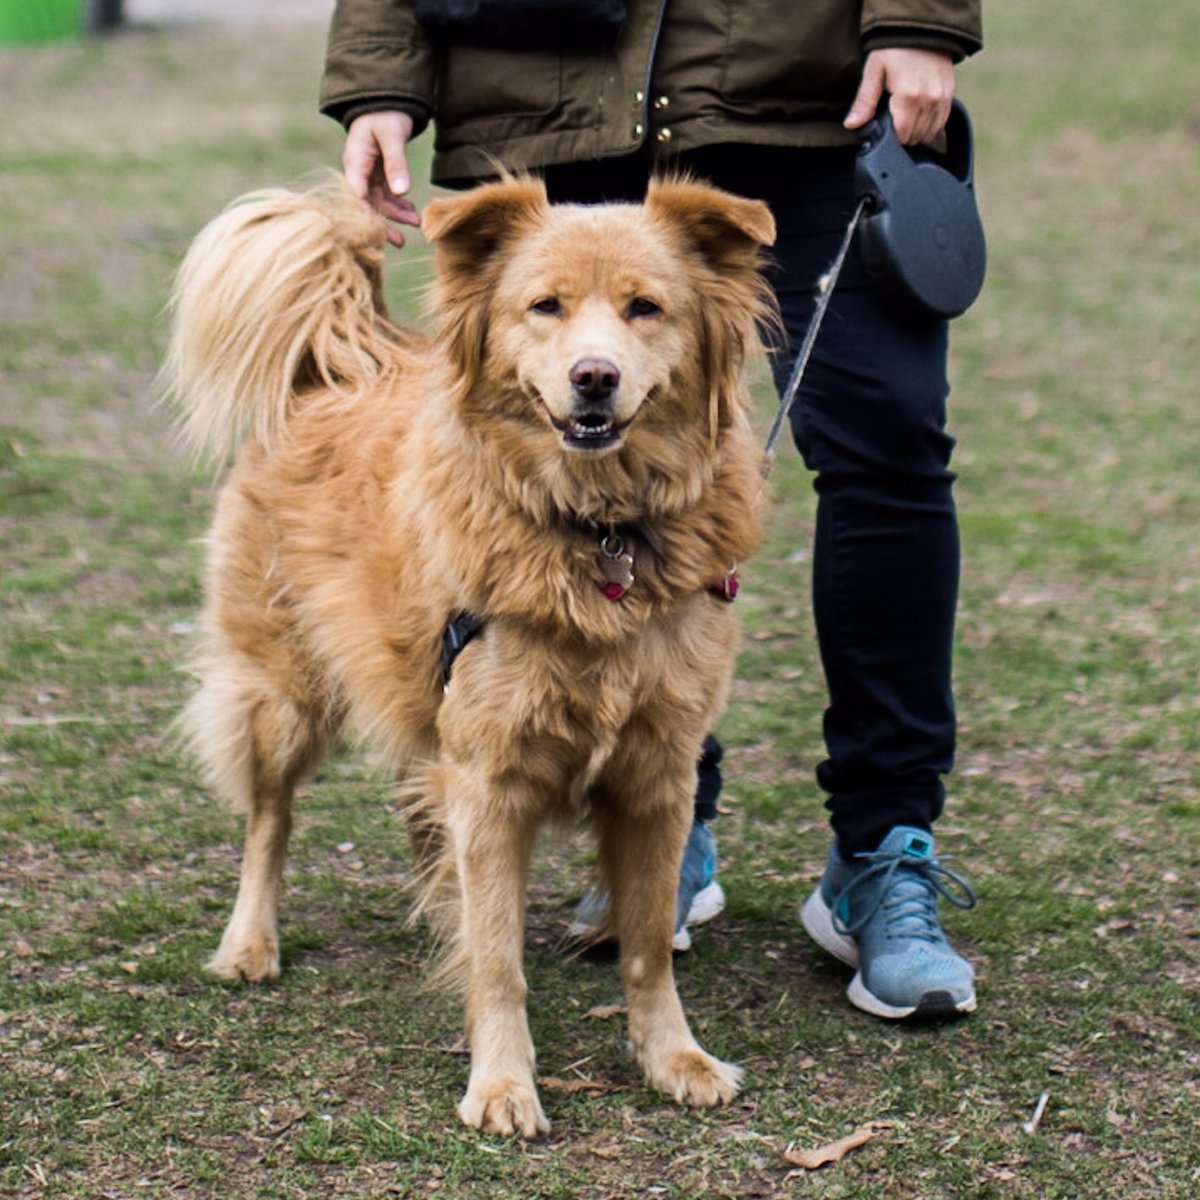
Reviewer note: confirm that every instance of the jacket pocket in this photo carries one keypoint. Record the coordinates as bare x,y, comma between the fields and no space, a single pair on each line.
477,84
779,55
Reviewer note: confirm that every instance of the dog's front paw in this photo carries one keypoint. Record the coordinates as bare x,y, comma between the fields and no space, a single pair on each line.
696,1078
504,1106
254,959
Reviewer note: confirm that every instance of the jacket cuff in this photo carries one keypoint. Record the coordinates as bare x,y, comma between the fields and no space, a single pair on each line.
348,111
956,49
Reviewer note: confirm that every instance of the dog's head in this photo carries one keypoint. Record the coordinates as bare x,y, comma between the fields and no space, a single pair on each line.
600,331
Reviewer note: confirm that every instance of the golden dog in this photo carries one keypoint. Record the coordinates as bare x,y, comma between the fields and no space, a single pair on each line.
569,460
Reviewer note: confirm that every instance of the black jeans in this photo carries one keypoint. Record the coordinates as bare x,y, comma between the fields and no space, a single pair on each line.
870,421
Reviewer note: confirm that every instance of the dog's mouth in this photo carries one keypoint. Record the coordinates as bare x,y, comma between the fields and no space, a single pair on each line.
590,430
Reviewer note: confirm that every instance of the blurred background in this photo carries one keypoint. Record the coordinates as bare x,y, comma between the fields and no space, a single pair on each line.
1075,806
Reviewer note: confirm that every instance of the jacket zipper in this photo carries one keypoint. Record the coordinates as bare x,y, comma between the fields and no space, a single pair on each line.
658,24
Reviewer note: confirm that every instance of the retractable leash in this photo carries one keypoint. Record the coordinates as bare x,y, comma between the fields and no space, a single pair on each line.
921,236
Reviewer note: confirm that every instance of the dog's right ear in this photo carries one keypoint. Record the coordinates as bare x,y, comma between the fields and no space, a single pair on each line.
470,228
468,232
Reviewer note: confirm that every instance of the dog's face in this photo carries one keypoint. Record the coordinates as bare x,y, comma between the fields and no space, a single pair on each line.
589,310
594,328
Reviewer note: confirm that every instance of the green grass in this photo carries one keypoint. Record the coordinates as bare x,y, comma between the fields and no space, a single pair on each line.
1075,807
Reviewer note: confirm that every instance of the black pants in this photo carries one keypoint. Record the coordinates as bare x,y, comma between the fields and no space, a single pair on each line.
870,422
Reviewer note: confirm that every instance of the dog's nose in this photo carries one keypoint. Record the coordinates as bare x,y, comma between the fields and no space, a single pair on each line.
594,378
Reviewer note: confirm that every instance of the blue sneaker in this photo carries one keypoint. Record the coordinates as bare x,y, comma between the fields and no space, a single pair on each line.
879,914
699,899
700,896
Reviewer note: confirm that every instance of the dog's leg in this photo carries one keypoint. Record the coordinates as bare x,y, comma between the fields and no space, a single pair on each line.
249,947
640,851
492,836
255,745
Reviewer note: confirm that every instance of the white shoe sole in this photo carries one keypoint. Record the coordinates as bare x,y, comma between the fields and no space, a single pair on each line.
817,919
708,902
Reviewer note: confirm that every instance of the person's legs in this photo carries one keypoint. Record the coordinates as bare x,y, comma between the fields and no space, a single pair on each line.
870,421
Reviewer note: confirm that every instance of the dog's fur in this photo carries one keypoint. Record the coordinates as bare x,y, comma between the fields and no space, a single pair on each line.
385,482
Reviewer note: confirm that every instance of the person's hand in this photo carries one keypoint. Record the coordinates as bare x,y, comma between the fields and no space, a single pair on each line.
921,86
376,167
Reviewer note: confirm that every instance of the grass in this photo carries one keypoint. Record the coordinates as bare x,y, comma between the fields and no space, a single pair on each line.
1075,806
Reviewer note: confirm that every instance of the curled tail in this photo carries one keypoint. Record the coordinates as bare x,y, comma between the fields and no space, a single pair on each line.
279,295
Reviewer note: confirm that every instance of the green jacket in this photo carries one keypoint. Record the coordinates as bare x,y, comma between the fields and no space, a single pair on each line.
684,73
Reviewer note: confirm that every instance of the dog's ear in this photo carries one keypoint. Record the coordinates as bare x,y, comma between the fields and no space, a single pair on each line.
729,231
472,227
468,232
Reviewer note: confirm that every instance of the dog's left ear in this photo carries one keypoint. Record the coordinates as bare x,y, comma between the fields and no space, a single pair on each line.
728,230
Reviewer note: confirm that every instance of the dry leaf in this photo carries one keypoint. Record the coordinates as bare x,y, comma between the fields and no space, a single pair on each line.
833,1152
602,1145
130,968
604,1012
573,1085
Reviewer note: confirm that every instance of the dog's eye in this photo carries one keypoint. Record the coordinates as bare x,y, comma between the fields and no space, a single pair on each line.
639,306
550,306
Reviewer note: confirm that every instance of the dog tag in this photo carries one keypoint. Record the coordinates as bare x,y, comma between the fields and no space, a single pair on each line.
616,565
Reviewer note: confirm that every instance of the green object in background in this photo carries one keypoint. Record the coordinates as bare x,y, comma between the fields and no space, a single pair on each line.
24,22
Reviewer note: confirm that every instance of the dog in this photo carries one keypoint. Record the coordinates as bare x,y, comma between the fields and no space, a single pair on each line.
503,553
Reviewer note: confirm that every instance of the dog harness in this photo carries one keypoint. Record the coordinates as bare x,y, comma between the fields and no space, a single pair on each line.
616,566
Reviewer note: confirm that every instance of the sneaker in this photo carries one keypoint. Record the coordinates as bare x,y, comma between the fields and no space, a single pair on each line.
879,914
699,899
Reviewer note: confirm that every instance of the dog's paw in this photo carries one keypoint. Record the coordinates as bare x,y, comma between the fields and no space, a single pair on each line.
505,1107
696,1078
253,959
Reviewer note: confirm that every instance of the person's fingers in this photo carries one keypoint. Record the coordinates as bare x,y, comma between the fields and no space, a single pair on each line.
359,156
375,162
397,211
920,84
918,118
870,91
403,211
392,131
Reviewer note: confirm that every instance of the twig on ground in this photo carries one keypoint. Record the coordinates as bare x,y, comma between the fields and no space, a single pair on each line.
1031,1125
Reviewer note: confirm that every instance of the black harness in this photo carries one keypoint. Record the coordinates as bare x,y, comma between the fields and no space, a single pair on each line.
461,629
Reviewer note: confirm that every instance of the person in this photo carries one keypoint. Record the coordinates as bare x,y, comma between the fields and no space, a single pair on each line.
763,98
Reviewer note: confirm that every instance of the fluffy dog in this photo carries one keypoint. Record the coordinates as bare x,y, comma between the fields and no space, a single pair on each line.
567,460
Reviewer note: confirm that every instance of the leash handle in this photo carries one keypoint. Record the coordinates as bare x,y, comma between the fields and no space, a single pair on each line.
825,288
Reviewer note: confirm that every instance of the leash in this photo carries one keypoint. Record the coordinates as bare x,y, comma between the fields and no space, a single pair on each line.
825,287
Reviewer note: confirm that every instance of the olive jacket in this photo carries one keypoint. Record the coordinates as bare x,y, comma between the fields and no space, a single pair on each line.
682,74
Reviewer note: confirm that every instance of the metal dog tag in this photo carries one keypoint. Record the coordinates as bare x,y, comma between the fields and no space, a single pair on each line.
616,565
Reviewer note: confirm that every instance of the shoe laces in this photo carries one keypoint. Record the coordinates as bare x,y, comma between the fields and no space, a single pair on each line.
907,889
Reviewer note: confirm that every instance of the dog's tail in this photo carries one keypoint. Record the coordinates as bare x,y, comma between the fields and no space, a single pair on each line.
277,298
